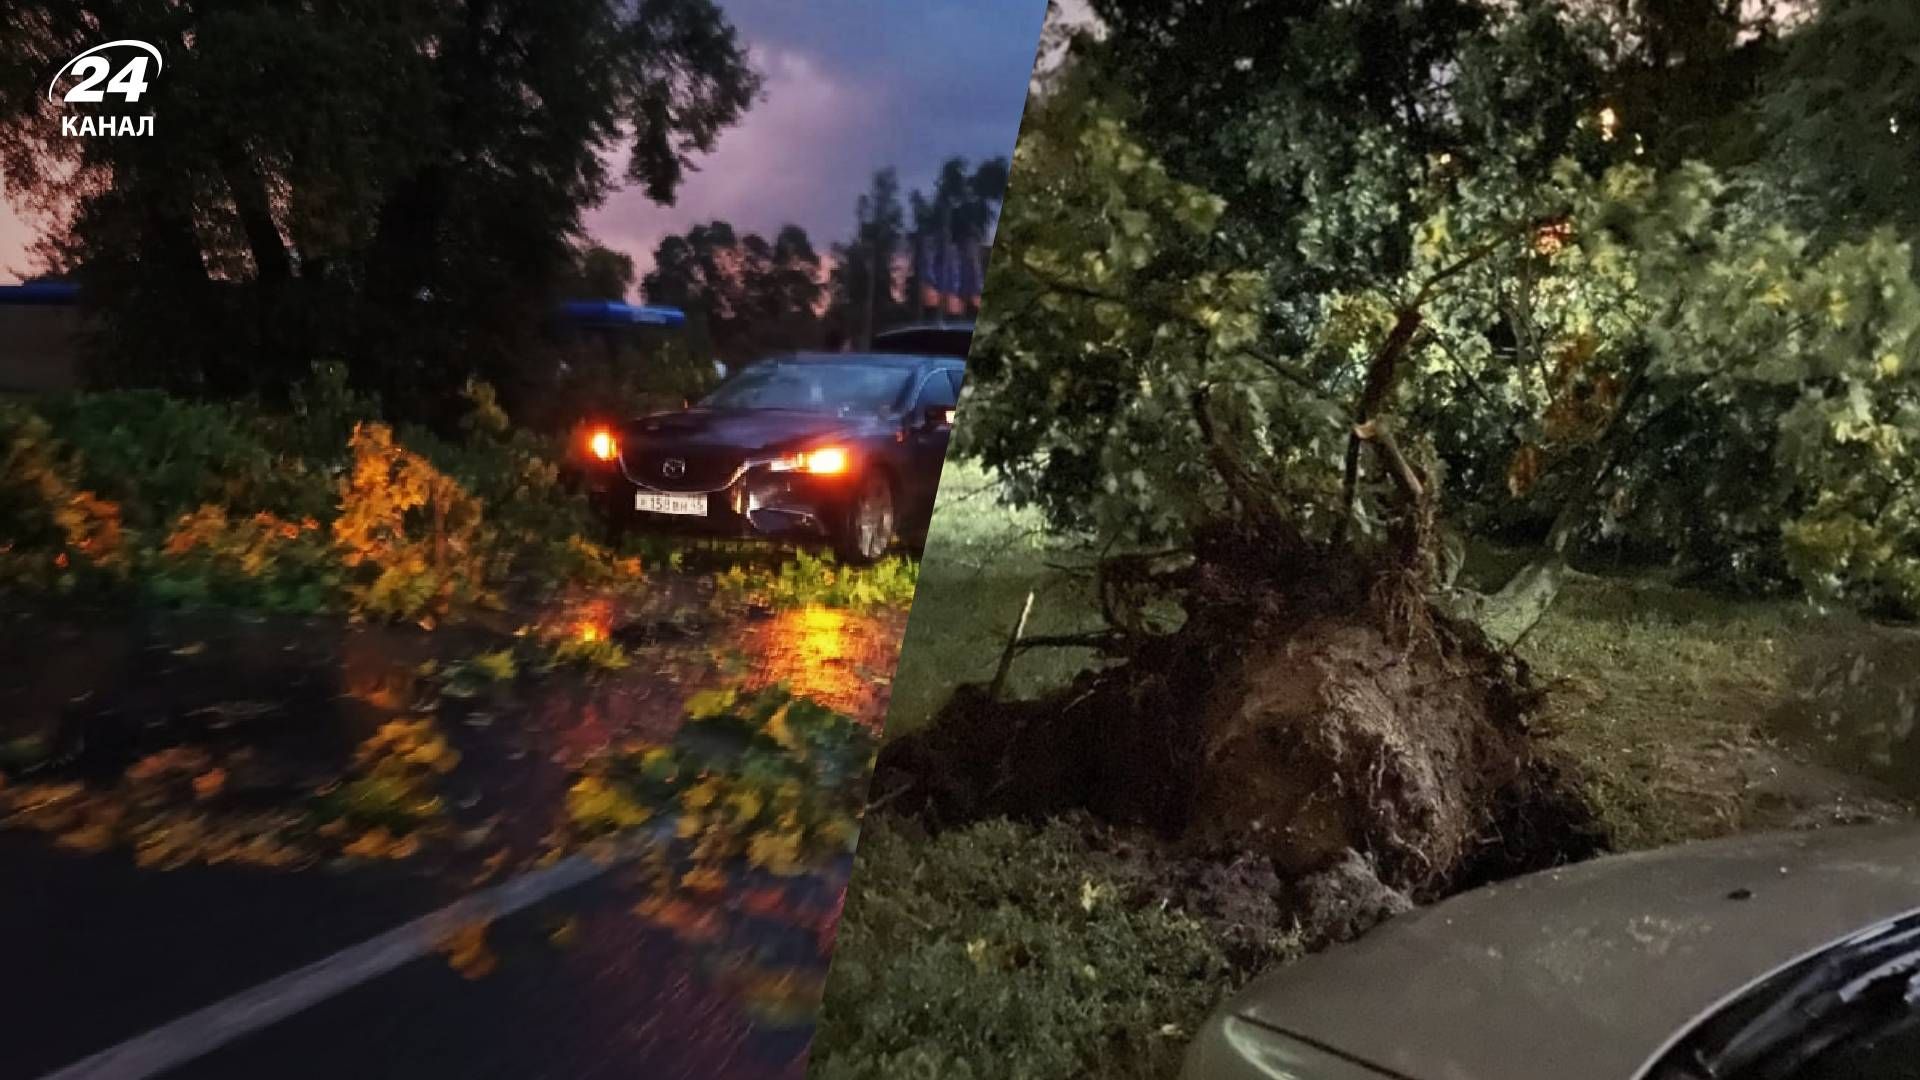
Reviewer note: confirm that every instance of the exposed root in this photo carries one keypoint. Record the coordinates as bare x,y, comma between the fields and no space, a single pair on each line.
1299,721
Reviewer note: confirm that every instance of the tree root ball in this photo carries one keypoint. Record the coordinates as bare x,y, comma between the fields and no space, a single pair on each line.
1301,747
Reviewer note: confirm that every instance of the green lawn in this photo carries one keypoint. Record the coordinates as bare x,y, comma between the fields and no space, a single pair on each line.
982,559
1687,710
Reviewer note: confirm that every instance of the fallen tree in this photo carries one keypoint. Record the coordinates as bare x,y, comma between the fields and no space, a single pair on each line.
1262,451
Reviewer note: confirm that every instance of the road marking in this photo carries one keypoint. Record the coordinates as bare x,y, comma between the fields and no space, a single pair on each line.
199,1033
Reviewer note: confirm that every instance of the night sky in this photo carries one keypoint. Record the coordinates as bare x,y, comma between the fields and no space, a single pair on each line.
851,86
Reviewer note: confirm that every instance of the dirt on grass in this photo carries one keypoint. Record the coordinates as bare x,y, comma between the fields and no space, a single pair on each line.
1252,908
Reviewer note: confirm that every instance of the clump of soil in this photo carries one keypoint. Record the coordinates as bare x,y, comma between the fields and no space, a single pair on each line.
1253,911
1292,722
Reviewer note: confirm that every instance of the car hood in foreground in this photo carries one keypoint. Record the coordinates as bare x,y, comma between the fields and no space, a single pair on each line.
1588,972
743,429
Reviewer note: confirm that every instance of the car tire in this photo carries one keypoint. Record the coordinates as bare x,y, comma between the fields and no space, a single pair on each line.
867,529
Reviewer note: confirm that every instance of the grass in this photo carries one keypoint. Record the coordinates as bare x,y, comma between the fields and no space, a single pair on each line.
1005,950
982,559
1682,708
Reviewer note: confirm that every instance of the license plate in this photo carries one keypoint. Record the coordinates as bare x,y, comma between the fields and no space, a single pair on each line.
683,505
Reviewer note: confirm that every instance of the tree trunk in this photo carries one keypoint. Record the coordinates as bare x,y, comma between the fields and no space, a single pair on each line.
1381,373
271,261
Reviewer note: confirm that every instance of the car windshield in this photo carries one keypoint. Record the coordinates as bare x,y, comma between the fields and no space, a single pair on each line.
841,389
1850,1013
934,341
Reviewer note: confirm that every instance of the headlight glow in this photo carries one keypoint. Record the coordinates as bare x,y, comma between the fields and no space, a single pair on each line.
826,461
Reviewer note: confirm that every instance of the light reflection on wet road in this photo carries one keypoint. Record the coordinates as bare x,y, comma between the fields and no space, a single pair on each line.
598,981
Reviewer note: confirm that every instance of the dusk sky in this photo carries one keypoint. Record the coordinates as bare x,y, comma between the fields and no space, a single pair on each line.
851,86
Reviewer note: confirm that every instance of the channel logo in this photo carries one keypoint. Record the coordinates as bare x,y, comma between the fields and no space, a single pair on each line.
92,78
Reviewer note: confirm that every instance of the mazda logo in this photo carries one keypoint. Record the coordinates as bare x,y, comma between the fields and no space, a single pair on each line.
673,468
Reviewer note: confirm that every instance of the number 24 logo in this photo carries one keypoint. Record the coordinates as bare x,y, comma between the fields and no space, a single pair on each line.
93,69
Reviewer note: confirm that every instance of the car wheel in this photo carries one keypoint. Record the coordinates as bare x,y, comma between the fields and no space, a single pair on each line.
868,529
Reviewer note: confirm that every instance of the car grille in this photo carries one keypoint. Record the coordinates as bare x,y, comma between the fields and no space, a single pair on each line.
699,470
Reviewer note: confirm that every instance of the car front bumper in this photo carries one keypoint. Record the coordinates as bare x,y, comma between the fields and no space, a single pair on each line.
757,504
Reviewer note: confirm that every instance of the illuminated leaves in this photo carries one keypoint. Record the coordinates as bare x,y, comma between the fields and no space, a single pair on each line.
389,803
467,678
467,951
413,538
378,843
55,526
758,779
596,807
278,563
165,808
809,580
761,787
408,743
209,784
777,852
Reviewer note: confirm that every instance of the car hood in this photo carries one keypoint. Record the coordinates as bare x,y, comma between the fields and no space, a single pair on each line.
743,429
1588,972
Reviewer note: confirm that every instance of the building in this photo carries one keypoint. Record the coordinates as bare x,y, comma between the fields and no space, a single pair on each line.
39,331
40,324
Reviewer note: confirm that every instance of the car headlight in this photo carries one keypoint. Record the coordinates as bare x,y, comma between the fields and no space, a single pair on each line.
825,461
1231,1048
601,444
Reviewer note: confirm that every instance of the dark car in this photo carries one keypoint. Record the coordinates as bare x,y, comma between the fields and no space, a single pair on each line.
1791,956
841,448
927,339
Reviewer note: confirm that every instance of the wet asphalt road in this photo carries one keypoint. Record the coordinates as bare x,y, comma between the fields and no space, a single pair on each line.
622,1000
95,950
98,952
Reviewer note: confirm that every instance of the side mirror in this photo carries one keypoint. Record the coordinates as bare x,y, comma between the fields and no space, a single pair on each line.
936,417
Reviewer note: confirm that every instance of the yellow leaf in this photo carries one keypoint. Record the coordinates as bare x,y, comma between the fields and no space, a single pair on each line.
704,879
210,783
373,844
701,795
779,732
775,852
91,838
709,703
466,951
745,804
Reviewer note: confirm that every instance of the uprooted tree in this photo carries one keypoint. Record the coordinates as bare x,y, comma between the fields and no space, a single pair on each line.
1475,306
